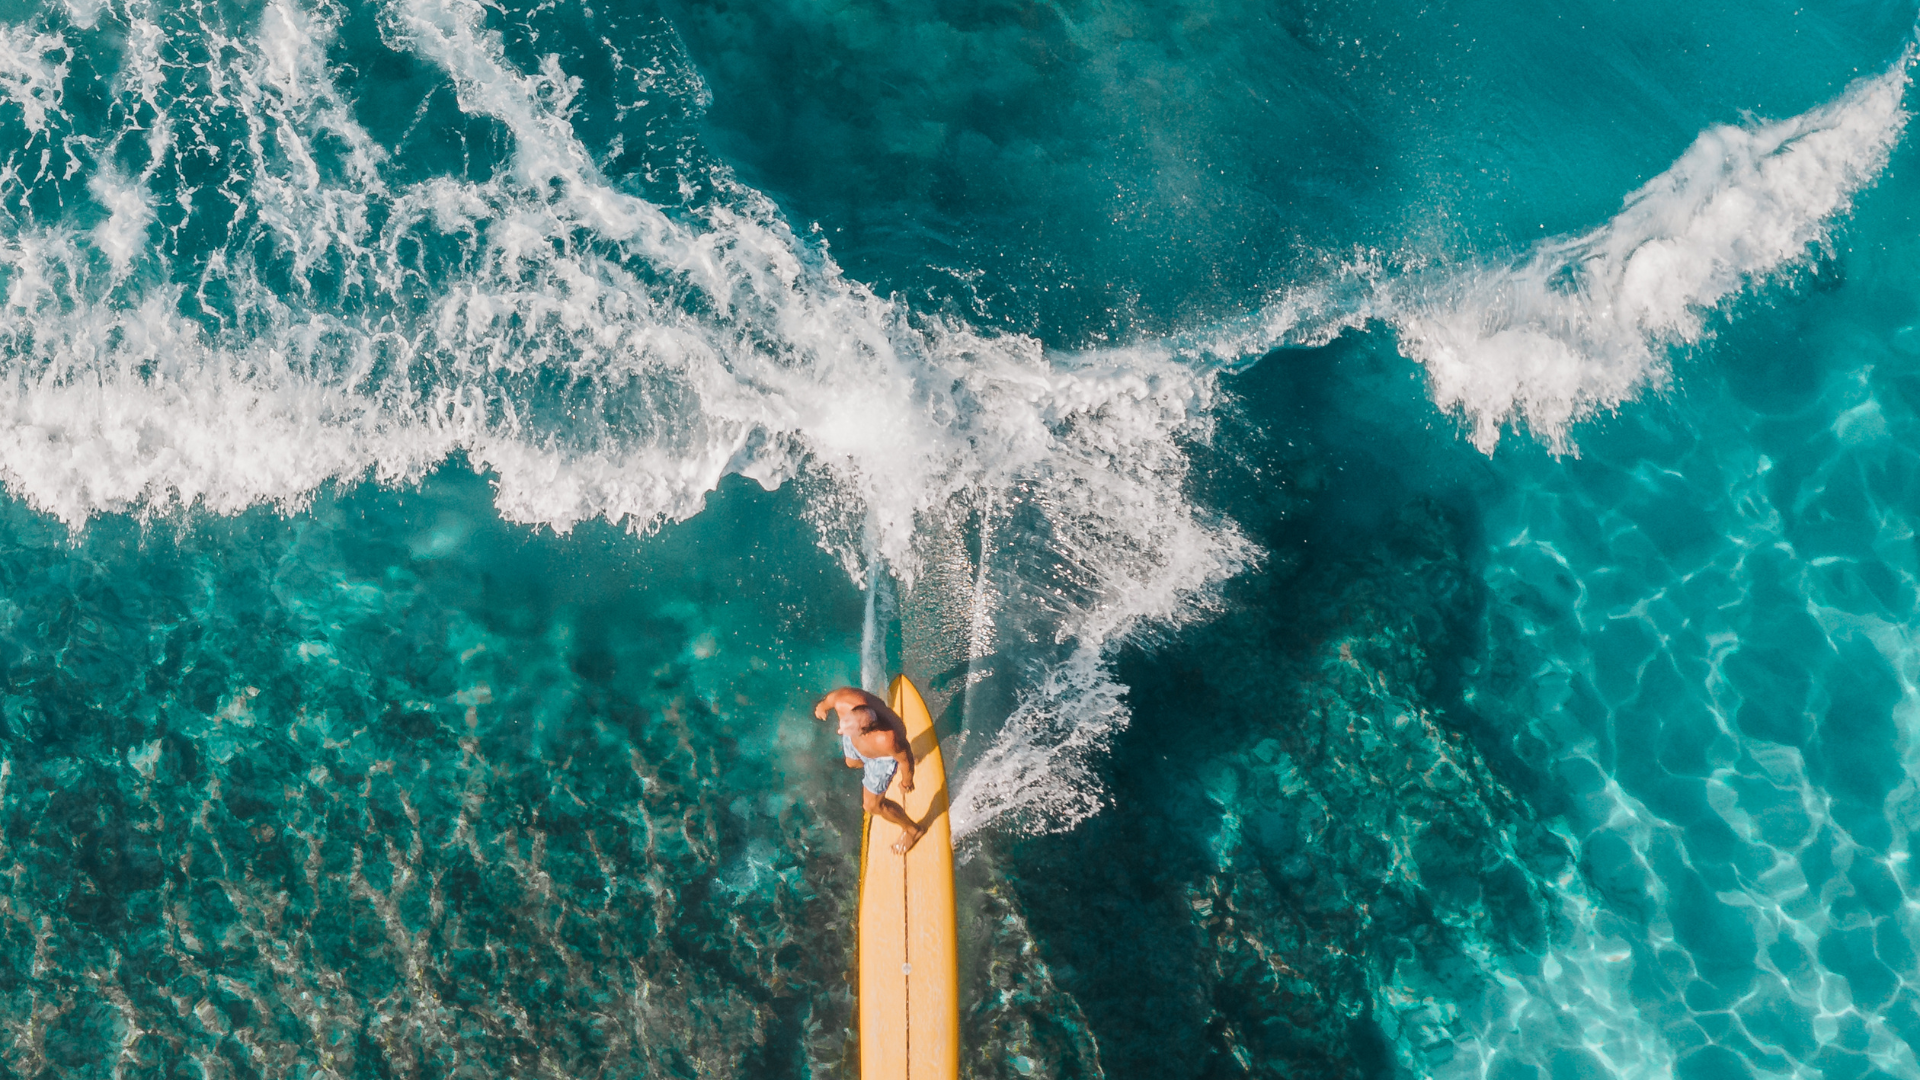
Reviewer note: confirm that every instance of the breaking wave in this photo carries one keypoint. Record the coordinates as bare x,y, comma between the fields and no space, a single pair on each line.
223,290
600,354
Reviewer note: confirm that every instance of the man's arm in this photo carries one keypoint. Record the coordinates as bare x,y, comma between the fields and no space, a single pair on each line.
833,699
903,754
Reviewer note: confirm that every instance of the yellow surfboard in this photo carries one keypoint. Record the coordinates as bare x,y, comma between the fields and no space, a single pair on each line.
909,970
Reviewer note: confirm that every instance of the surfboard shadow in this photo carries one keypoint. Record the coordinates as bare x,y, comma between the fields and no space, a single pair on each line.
937,803
936,807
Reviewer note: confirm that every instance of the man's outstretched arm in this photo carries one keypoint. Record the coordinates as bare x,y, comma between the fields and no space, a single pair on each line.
834,698
904,756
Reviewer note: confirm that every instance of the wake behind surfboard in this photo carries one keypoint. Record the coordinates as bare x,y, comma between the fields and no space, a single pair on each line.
909,974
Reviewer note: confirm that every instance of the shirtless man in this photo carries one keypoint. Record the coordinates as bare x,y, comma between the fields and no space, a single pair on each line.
873,739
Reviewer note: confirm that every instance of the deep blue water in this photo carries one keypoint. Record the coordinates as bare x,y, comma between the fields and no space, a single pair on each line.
1407,516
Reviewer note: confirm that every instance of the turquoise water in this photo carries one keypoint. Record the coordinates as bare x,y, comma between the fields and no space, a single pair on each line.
1406,517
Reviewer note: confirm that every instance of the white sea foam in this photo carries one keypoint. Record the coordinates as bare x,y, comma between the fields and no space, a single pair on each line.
600,355
808,370
605,356
33,72
124,234
1585,323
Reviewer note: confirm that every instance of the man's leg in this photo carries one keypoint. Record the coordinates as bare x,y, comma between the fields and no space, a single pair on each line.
886,808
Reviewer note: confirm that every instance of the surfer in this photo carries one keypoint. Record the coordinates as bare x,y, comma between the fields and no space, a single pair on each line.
874,739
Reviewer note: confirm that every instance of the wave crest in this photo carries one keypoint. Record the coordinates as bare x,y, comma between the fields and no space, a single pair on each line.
601,354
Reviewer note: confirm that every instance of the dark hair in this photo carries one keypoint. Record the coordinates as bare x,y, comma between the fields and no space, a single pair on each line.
872,713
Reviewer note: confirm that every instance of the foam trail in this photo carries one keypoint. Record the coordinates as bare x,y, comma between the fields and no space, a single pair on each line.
879,608
1040,769
1584,324
873,666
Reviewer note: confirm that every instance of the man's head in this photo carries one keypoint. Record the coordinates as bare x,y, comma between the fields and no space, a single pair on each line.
857,719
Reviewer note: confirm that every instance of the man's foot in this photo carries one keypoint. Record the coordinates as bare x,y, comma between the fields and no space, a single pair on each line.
909,836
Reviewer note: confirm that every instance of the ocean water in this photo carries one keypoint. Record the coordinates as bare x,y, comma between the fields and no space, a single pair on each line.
1406,516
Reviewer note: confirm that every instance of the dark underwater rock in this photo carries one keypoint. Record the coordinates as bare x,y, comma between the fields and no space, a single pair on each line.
1306,852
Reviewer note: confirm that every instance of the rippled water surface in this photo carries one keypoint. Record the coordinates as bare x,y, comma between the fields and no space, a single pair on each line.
1406,516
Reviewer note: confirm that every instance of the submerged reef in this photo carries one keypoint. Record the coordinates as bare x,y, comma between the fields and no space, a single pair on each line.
1308,860
284,797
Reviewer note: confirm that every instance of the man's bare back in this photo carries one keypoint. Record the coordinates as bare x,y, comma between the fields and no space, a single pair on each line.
873,739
